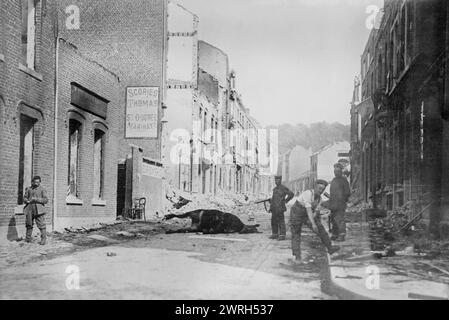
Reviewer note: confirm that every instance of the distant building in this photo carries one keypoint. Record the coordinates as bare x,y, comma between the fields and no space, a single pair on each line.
211,140
322,161
298,169
299,162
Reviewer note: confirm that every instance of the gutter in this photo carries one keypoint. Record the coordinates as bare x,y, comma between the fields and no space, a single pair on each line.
55,145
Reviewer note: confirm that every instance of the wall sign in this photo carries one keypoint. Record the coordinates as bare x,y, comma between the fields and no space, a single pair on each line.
142,104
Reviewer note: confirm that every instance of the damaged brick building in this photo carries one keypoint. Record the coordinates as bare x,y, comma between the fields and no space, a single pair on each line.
400,113
68,71
27,81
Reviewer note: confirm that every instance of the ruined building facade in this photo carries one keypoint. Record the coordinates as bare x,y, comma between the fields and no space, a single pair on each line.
399,113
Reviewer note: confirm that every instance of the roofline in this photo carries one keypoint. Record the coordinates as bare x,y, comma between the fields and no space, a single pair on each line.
184,8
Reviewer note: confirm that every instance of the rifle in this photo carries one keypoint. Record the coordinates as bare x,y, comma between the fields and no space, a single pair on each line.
264,203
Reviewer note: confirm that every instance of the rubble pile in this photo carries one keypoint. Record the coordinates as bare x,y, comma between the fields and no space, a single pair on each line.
398,218
90,228
180,202
355,212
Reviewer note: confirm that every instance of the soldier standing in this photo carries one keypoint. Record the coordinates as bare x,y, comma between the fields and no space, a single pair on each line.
339,195
35,198
281,195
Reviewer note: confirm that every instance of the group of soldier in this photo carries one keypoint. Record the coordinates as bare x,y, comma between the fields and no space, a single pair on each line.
304,211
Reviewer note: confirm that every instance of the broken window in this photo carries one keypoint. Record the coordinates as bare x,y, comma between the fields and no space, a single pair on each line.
409,31
74,147
26,148
204,125
29,32
216,131
99,143
402,38
421,132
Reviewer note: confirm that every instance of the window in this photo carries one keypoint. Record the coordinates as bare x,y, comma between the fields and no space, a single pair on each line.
26,149
74,147
421,132
212,138
29,32
99,143
216,131
402,28
409,31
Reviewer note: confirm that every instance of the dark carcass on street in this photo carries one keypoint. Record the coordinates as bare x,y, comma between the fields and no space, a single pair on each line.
211,221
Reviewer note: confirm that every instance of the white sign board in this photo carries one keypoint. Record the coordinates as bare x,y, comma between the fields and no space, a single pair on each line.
142,104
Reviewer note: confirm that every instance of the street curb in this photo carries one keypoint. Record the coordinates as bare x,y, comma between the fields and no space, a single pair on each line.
340,291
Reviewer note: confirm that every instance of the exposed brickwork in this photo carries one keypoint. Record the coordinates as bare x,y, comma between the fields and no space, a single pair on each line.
75,68
128,38
18,87
119,44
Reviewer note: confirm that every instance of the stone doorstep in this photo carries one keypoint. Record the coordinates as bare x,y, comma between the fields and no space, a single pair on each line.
360,282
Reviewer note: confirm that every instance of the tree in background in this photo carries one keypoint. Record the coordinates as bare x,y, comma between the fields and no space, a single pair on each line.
314,136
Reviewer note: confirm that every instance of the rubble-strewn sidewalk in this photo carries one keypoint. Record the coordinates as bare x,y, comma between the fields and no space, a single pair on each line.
404,274
74,239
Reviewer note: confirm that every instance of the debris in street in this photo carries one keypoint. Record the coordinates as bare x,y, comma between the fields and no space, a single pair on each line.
226,201
436,267
73,230
348,277
218,238
415,218
99,237
413,295
362,256
87,229
178,201
125,234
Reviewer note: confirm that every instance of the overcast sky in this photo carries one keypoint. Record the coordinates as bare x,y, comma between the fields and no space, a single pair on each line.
295,60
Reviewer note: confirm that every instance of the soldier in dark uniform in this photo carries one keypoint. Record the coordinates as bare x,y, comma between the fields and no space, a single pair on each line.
303,213
281,195
339,195
35,198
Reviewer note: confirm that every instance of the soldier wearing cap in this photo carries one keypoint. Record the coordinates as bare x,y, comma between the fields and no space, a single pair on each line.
339,196
281,195
303,212
35,198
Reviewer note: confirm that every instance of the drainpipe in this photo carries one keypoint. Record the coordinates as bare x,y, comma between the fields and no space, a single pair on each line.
55,143
375,157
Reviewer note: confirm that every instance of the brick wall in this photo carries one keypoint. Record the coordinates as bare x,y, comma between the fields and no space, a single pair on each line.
19,89
75,68
128,38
